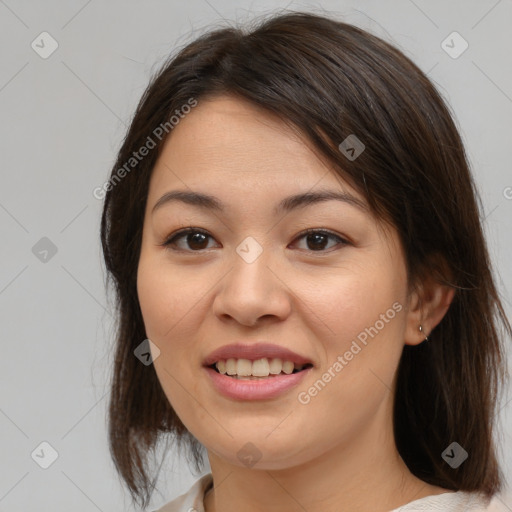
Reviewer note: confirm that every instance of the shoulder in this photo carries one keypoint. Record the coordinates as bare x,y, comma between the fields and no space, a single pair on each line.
460,501
192,499
500,503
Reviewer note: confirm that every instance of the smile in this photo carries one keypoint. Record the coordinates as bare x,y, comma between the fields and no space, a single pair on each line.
254,387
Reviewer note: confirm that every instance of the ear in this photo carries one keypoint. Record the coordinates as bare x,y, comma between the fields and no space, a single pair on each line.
427,306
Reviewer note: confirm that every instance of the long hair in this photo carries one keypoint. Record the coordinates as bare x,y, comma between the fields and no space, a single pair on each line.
329,80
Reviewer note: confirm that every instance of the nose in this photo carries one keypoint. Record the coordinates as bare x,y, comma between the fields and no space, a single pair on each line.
250,292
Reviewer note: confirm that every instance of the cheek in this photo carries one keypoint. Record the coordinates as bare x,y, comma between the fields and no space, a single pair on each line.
344,303
167,307
166,298
153,297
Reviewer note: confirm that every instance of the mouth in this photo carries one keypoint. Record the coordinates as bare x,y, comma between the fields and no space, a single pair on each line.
258,379
258,369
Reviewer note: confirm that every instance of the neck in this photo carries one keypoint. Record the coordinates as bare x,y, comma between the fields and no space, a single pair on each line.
366,474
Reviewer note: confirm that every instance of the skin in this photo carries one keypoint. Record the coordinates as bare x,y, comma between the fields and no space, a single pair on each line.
338,451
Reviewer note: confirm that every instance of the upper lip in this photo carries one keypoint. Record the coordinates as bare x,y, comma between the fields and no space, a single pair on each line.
253,352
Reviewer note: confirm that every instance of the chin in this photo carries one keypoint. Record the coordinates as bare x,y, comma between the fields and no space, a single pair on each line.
259,452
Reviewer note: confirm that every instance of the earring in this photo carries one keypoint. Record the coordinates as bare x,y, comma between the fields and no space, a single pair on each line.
421,330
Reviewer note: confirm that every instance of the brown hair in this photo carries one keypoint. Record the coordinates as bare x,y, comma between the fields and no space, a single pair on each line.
330,79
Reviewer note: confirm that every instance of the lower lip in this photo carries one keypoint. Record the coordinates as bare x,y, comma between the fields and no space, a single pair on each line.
262,389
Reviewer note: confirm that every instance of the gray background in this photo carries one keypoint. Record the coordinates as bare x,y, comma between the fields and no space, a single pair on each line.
62,121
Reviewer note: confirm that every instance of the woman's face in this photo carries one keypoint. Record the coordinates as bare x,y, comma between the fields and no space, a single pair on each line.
249,276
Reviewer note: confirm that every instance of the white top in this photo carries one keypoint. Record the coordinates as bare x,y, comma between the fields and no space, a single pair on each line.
460,501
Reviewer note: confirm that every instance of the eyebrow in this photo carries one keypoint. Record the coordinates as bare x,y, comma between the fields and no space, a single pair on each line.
289,203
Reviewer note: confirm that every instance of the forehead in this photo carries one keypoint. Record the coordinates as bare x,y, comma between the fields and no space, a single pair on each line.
230,123
241,153
227,145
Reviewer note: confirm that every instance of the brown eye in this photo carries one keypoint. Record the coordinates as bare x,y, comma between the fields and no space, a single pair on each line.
195,240
317,240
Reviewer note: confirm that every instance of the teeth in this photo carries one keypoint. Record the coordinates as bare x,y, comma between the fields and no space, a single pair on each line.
243,367
221,366
275,366
259,368
288,367
230,367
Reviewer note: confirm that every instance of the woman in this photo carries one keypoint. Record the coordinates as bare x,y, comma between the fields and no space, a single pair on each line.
304,288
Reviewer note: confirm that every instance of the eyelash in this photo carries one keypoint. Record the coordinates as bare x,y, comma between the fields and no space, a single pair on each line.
182,232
